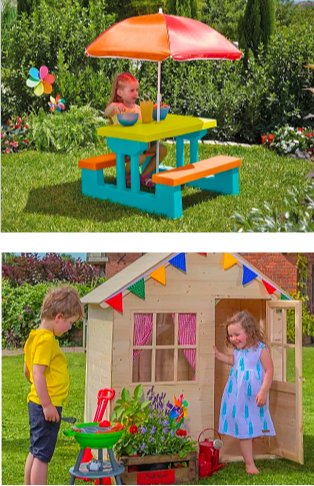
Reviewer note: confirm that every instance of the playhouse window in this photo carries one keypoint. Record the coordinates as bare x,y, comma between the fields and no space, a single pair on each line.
164,347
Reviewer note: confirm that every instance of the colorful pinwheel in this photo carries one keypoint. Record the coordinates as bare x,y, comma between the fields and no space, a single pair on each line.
178,411
56,104
40,80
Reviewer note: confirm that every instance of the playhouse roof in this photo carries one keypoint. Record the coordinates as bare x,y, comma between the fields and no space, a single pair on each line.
142,268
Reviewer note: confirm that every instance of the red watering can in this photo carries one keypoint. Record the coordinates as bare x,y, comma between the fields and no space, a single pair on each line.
208,459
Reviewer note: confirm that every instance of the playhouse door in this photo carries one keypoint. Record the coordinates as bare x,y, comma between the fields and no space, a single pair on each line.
284,332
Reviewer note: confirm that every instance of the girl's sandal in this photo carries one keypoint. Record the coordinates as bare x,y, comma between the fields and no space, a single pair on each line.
147,181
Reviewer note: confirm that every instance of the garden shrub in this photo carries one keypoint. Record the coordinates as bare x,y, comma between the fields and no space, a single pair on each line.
30,268
21,310
66,131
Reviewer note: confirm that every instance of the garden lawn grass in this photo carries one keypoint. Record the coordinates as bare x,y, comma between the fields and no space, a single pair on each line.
15,431
41,192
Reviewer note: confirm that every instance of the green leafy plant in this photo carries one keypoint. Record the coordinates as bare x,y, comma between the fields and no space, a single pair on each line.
66,132
131,409
298,216
155,432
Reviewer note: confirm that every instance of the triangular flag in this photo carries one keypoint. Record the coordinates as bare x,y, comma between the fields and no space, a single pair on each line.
159,275
284,297
229,261
116,302
270,288
179,261
138,288
248,275
204,254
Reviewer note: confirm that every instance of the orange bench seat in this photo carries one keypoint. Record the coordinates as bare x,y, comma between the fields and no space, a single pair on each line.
198,170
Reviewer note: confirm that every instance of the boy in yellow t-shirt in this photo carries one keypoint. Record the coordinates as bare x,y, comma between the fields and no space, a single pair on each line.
45,367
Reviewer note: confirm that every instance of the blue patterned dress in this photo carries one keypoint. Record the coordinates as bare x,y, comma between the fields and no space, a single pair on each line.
240,416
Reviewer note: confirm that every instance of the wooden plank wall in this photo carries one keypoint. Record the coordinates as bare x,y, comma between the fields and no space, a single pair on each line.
99,356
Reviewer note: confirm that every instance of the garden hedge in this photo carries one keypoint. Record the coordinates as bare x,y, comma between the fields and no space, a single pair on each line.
21,310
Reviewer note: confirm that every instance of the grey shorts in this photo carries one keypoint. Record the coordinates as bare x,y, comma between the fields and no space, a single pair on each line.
43,434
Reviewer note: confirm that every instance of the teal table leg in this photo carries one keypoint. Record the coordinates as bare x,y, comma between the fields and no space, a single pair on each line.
180,151
223,183
120,166
135,180
194,138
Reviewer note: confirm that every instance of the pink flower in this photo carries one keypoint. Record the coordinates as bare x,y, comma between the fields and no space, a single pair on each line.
7,150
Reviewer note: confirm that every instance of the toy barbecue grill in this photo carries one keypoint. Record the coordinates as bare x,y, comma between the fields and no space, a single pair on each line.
93,435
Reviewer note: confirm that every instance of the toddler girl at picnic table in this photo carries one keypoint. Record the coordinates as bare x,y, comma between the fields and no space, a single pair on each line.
244,411
123,97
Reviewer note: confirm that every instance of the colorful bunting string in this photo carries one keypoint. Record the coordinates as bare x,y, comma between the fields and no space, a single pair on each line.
249,275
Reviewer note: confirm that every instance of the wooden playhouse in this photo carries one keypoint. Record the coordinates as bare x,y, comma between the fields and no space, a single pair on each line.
156,321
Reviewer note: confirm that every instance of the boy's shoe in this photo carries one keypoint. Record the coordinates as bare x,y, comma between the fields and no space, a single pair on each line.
146,181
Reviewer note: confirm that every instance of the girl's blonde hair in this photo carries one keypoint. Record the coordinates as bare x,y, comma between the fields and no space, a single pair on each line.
250,326
119,82
62,300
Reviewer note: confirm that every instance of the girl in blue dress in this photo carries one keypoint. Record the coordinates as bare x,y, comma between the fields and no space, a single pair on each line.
244,411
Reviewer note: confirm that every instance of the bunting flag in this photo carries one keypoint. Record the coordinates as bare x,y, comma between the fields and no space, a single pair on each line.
138,288
179,262
270,288
204,254
229,261
248,275
284,297
116,302
159,275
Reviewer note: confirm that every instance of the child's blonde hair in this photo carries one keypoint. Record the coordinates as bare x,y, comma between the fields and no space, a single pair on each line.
249,325
62,300
119,82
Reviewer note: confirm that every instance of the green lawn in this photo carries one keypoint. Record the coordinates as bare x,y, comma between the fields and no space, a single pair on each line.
15,431
41,192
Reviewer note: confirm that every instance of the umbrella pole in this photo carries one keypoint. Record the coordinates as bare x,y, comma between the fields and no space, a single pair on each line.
158,113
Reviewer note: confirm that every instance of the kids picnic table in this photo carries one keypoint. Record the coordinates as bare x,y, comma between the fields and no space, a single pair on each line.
218,174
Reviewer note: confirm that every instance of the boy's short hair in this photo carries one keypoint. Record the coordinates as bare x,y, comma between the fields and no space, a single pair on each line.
62,300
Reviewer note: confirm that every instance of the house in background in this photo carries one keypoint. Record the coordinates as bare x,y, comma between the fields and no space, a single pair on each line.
156,321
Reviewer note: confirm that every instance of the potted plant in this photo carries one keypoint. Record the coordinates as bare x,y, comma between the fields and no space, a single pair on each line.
155,447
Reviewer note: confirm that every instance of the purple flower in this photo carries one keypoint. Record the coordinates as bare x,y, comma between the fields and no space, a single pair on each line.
143,430
153,429
165,430
143,446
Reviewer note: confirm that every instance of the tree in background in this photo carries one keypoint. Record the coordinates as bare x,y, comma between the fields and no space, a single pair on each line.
224,15
185,8
257,25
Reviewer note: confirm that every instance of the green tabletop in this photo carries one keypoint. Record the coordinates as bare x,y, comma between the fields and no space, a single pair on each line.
172,126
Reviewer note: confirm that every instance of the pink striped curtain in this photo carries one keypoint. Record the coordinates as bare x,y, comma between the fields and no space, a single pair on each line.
143,328
187,336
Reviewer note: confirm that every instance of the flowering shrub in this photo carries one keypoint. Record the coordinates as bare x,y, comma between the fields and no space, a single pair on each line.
291,141
158,433
30,268
14,135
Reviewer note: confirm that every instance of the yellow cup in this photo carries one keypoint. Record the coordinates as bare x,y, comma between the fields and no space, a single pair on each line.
147,111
